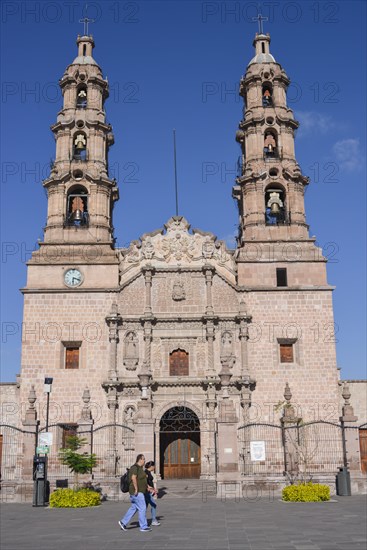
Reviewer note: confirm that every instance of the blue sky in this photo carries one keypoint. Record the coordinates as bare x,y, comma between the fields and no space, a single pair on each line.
177,65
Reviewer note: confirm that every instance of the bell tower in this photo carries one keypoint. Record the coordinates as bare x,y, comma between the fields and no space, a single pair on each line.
80,192
270,187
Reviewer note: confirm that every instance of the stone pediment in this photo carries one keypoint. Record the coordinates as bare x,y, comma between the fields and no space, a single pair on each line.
176,246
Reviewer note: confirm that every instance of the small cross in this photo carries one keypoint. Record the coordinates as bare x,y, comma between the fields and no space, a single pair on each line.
260,20
86,21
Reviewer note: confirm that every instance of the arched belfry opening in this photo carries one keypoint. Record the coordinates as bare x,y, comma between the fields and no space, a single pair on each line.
179,431
267,95
77,214
81,97
276,205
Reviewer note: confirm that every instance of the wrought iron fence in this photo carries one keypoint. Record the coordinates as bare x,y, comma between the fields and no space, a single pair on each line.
314,448
273,461
113,445
13,459
297,450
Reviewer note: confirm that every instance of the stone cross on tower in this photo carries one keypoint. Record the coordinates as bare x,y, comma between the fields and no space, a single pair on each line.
260,20
86,22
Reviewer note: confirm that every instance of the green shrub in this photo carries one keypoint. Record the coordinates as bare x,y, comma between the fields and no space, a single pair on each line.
68,498
306,492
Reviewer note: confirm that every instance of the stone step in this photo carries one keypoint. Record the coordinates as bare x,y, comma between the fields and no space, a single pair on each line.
186,488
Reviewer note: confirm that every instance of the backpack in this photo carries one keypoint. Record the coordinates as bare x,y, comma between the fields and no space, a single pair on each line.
125,482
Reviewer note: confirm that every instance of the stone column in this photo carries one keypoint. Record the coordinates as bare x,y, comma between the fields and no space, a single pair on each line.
245,433
113,321
148,336
291,466
30,424
148,275
228,476
85,422
209,271
112,455
144,424
210,340
243,319
211,403
351,434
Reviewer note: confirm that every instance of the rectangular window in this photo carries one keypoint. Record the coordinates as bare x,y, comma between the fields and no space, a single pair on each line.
67,431
179,363
286,353
282,276
72,355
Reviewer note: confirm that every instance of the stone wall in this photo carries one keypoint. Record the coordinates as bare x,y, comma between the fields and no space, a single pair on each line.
10,406
358,400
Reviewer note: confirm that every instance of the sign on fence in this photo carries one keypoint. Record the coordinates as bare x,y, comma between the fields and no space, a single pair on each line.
257,450
45,439
43,450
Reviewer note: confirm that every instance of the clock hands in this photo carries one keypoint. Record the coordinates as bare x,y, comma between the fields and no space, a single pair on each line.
73,277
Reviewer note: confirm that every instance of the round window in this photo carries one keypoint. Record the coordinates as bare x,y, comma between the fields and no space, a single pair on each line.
78,175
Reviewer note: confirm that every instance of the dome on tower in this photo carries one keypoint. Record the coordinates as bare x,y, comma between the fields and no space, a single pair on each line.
84,60
262,58
262,52
85,47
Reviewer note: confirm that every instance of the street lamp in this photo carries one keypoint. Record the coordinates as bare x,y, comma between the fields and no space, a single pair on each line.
47,388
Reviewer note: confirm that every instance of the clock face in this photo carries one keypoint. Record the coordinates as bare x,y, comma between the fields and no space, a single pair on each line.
73,277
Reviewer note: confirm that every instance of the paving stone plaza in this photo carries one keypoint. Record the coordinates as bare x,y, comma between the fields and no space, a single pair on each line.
260,524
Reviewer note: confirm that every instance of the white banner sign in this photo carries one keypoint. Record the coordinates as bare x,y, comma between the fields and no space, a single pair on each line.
45,439
257,450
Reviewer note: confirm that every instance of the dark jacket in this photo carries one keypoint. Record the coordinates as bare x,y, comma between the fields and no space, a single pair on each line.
150,478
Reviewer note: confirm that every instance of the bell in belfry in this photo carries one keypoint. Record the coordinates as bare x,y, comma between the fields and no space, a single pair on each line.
274,209
80,142
275,203
77,215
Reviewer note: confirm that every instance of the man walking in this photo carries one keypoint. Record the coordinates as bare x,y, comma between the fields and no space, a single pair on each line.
138,486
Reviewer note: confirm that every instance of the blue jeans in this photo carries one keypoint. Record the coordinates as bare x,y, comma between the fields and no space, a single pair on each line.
150,500
137,505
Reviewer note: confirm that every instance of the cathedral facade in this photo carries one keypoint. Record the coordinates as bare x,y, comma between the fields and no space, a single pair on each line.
177,343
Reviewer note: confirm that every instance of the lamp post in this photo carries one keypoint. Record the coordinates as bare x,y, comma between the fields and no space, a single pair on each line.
47,388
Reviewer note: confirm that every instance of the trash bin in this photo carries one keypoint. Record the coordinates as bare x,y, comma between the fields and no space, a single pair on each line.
343,482
62,483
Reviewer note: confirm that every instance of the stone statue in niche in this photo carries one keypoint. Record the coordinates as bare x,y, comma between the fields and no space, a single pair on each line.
226,352
131,351
127,435
129,414
178,291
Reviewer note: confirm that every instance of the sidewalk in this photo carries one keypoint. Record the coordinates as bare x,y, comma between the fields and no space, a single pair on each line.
191,523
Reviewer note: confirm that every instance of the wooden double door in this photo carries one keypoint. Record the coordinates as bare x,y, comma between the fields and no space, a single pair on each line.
363,449
180,455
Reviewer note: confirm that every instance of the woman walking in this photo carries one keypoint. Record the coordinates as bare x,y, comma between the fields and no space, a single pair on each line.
149,495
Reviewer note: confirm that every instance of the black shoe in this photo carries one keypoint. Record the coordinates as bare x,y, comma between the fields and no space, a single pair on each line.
145,529
122,526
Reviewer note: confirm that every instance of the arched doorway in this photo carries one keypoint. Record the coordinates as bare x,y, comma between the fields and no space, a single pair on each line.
179,430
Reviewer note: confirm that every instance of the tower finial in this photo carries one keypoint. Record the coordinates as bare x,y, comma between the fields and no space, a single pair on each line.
86,21
260,20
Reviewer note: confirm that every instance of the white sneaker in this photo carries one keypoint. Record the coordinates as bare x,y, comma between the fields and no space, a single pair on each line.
155,522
